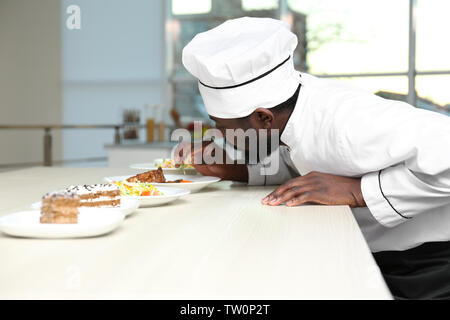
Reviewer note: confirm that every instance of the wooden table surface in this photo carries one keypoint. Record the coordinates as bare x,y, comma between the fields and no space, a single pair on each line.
217,244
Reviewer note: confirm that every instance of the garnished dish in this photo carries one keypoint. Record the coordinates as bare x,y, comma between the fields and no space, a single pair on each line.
140,189
170,164
155,176
158,178
143,187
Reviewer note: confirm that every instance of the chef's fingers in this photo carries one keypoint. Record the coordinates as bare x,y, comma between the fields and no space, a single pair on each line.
214,154
199,151
208,148
300,199
312,197
290,194
296,182
193,153
182,152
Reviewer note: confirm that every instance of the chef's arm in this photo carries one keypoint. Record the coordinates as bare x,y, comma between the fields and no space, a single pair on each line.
234,172
397,194
405,151
262,174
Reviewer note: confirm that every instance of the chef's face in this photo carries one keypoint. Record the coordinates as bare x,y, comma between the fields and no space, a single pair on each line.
260,119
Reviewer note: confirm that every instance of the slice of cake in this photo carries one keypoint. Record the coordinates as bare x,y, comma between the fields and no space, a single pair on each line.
60,207
97,195
149,176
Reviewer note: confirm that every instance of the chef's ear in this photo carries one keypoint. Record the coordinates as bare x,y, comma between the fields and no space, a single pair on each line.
264,117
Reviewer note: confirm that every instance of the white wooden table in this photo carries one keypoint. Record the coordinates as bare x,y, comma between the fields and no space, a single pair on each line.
217,244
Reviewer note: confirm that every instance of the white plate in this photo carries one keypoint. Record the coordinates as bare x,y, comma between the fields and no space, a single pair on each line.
127,206
169,195
152,166
198,181
90,223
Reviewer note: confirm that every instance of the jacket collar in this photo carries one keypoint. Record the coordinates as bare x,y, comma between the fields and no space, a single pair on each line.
289,135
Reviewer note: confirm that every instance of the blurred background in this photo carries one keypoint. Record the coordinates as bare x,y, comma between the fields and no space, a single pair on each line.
100,83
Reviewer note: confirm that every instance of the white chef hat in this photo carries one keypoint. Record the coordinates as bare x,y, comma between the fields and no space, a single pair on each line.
243,64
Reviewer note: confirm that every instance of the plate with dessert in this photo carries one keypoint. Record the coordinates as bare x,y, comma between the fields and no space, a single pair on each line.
167,165
97,196
61,216
157,178
148,194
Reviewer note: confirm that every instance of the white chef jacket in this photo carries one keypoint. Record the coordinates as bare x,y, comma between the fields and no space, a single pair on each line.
401,152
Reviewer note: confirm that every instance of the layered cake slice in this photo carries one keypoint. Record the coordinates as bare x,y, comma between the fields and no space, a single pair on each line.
97,195
60,207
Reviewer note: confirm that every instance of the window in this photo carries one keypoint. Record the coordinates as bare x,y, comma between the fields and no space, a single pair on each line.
398,85
353,36
433,45
435,89
249,5
180,7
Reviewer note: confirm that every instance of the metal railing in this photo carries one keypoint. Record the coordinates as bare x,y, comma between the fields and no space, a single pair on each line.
47,145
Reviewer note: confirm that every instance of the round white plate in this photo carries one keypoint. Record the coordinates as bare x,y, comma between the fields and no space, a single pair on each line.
90,223
154,165
127,206
169,195
198,181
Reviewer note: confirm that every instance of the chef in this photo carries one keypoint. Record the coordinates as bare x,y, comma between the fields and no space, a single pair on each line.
387,160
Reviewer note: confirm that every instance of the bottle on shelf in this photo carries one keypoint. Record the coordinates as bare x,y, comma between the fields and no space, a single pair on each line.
150,123
131,120
159,119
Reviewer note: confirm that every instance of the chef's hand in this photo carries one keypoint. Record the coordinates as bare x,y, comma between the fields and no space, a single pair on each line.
318,188
185,154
